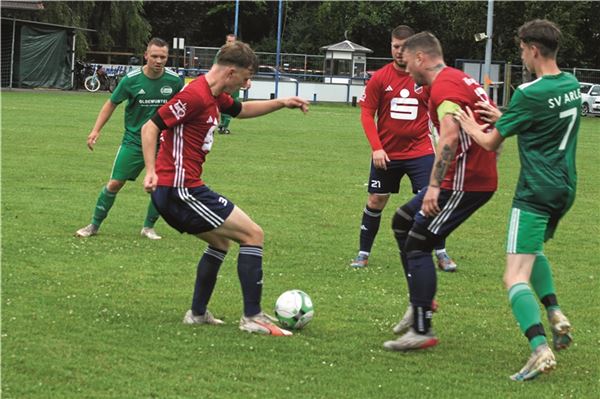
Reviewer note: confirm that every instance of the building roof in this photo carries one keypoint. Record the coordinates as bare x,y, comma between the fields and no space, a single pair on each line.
347,46
22,5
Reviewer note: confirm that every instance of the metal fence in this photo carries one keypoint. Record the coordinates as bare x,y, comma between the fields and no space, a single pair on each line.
302,66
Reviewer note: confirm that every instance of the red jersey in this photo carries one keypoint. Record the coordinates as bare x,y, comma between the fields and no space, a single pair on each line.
191,117
402,120
473,168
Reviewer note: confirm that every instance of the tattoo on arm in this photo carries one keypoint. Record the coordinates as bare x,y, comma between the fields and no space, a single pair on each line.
441,166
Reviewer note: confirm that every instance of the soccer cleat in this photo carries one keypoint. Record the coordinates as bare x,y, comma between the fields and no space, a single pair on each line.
224,130
360,261
407,320
87,231
561,329
150,233
206,318
445,263
412,341
262,323
541,361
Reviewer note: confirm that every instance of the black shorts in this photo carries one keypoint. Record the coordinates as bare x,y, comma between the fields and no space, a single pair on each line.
192,210
388,181
456,207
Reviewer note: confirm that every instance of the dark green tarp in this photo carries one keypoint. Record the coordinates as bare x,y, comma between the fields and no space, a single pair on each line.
45,58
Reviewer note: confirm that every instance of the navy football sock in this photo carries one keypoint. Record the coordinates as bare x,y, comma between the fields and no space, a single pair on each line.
206,278
423,284
250,274
369,227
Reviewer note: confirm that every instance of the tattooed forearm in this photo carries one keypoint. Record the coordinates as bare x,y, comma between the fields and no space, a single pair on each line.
441,166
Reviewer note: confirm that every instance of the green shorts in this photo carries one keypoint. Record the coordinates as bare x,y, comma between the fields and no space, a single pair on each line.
527,231
128,163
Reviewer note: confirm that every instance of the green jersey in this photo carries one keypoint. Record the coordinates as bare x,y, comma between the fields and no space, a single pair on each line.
544,114
144,96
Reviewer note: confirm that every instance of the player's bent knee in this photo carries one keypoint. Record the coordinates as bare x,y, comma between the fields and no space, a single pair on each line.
115,185
377,201
254,235
402,221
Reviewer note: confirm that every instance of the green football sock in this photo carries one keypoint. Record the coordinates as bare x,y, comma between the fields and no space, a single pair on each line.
225,120
151,216
106,199
526,311
541,280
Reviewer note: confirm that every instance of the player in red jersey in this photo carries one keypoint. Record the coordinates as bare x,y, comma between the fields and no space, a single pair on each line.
463,179
400,141
188,123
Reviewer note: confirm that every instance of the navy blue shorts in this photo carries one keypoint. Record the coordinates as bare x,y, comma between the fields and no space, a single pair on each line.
388,181
192,210
456,207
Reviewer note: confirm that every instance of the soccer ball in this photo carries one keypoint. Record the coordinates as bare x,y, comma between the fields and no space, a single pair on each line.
294,309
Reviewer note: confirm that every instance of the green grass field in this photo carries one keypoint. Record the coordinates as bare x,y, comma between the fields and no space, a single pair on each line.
101,317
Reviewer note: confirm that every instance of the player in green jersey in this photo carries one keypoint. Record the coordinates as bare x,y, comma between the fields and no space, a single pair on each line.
145,90
544,115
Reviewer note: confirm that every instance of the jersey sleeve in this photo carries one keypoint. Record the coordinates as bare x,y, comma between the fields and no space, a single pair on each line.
120,93
370,98
517,118
225,102
183,106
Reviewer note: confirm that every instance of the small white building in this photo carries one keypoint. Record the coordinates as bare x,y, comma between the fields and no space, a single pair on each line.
345,62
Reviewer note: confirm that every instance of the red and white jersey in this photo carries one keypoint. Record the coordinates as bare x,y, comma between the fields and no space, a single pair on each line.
473,169
402,119
191,117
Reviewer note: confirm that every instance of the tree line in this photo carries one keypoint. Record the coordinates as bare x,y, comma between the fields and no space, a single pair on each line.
308,25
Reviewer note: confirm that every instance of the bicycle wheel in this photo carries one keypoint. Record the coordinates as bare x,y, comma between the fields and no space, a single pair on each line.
92,83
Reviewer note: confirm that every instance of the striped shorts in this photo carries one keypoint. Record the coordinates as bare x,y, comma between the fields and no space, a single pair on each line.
192,210
456,207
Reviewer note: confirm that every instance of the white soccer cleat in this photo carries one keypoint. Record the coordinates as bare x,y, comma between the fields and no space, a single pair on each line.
406,322
541,361
262,323
412,341
150,233
87,231
206,318
561,329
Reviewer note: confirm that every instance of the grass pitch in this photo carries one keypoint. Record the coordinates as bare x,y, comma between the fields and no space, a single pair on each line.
101,317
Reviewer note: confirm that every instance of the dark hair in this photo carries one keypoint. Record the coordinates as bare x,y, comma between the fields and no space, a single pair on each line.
425,42
158,42
544,34
237,54
402,32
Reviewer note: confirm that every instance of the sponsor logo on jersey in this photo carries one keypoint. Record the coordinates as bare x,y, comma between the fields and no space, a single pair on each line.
404,107
178,109
152,101
166,90
141,91
389,88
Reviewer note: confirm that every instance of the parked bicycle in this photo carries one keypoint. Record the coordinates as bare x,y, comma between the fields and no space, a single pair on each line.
100,80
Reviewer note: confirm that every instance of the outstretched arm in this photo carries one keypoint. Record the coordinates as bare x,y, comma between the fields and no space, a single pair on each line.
251,109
